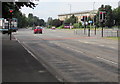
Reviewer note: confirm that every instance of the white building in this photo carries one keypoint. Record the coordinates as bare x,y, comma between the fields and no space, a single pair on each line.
79,15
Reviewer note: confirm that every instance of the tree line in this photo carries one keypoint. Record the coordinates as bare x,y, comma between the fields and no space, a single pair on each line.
23,21
112,16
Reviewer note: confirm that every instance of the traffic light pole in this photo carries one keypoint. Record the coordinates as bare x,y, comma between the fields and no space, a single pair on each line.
89,30
10,31
102,19
95,29
84,27
102,29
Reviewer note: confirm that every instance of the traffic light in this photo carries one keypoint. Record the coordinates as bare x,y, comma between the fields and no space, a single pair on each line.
84,18
11,10
102,16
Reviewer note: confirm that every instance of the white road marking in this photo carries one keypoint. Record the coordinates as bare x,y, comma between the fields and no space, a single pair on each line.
96,43
113,47
68,47
78,51
106,60
102,45
86,42
58,36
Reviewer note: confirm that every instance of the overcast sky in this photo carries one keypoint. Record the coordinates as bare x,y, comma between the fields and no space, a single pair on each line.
52,8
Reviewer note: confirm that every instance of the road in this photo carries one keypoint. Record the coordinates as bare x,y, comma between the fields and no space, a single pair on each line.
72,58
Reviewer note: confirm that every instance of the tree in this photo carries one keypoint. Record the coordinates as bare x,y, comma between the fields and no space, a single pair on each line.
35,21
108,16
56,22
49,21
22,19
116,16
72,20
6,6
30,20
41,22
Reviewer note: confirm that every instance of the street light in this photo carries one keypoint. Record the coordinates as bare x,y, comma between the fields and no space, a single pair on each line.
70,16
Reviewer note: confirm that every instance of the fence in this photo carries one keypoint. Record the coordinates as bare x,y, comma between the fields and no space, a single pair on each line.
106,33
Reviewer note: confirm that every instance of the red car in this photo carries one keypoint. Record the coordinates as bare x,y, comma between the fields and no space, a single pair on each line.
38,30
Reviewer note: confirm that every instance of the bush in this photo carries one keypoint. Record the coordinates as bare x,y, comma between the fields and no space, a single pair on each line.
77,25
60,27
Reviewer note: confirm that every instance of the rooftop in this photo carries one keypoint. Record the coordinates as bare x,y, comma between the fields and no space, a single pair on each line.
82,12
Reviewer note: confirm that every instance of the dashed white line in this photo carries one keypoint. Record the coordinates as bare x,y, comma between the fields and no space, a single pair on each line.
102,45
113,47
78,51
107,60
58,36
67,47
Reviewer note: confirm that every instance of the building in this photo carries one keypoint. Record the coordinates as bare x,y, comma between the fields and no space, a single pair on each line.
79,15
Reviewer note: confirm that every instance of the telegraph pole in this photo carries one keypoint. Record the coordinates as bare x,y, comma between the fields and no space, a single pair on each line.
70,16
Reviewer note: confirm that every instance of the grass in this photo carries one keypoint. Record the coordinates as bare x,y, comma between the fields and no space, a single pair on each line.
113,38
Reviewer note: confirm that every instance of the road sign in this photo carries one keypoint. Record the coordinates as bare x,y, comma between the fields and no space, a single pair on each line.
90,22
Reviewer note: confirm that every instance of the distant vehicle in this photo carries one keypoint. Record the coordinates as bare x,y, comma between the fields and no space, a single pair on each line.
5,25
67,26
38,30
53,28
14,25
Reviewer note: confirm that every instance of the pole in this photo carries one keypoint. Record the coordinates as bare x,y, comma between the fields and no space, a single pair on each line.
95,30
93,12
84,27
102,29
89,30
10,31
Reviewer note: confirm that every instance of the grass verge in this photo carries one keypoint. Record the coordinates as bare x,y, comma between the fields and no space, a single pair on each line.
112,38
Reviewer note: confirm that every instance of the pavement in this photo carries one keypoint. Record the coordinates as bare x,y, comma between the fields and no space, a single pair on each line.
19,66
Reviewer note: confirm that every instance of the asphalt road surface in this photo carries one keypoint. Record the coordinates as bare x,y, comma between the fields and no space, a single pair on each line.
73,58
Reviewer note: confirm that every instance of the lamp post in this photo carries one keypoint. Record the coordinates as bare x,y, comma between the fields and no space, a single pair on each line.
70,16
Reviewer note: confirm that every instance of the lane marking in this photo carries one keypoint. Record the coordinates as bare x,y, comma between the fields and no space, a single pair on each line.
97,44
78,51
102,45
106,60
113,47
58,36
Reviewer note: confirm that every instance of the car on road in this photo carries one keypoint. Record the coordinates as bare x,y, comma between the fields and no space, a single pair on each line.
38,30
53,28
